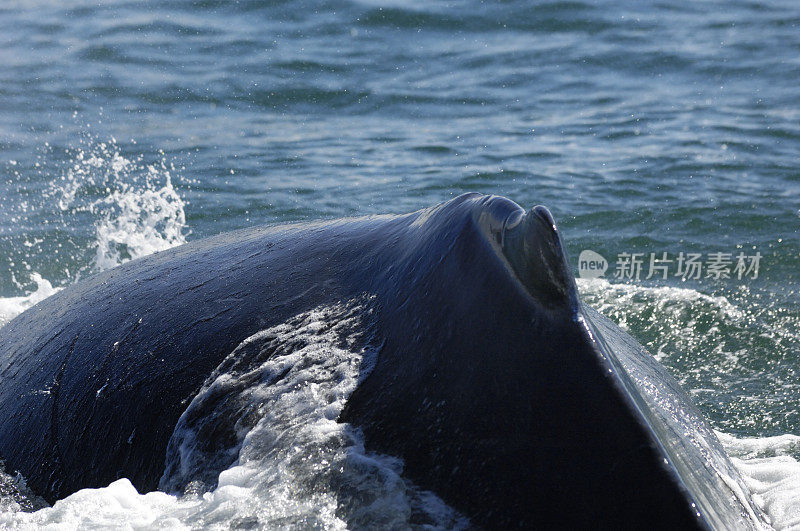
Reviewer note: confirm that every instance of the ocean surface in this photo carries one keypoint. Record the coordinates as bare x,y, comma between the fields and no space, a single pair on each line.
647,127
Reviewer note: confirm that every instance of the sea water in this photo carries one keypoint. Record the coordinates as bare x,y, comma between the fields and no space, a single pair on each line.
648,128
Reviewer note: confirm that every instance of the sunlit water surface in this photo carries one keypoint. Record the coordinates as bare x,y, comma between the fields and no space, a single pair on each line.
646,127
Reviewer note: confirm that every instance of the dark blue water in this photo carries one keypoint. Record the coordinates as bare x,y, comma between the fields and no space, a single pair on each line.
129,127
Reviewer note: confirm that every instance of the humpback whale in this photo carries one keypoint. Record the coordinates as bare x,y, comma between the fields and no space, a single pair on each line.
500,390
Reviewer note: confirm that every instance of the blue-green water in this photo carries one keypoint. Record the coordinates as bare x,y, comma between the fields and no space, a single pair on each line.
128,127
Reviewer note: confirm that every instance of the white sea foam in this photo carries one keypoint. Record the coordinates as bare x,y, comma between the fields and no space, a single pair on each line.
10,307
771,472
609,298
117,506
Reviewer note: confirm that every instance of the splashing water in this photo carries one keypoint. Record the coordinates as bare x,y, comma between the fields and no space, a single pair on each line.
137,223
138,211
102,209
